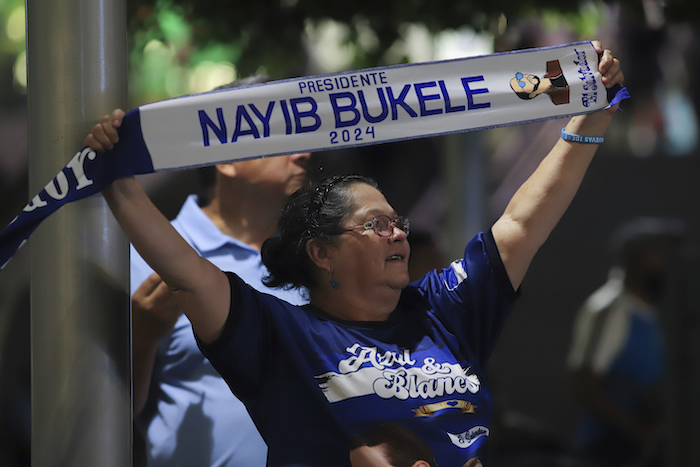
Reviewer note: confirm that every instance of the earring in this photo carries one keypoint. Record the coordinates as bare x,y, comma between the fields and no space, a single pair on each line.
332,282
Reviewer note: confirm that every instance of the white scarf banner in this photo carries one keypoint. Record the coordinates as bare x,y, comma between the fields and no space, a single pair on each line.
339,110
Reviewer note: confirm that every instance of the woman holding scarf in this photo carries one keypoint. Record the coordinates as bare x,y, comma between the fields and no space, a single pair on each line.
370,348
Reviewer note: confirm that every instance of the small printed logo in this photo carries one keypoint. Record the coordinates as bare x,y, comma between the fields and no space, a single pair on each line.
430,409
466,439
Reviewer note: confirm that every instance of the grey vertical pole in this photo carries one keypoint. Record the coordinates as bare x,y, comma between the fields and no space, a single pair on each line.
81,396
465,175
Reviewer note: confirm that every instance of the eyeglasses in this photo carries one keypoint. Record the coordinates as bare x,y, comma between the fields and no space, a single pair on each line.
384,225
534,80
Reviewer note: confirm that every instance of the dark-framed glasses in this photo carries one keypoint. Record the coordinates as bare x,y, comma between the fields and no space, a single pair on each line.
384,225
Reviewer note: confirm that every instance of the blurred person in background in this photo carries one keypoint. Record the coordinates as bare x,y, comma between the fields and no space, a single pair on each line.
391,445
616,360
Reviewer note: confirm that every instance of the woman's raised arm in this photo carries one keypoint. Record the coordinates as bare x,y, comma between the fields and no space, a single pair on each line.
540,202
202,288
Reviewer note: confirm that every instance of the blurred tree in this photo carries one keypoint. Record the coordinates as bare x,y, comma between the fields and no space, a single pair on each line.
272,31
184,46
12,58
191,39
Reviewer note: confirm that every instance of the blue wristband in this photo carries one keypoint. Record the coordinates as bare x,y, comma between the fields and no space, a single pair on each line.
581,139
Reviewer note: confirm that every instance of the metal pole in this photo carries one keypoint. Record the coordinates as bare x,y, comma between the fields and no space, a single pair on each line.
465,174
81,372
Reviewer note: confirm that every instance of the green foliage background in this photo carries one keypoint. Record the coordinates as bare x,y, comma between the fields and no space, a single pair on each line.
172,40
177,47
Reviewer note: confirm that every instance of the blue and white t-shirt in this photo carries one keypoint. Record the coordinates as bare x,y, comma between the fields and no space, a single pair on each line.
314,383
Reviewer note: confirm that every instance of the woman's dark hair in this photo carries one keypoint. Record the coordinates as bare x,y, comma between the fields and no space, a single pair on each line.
314,211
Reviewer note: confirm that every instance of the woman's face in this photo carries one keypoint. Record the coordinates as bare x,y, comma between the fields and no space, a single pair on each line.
362,260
